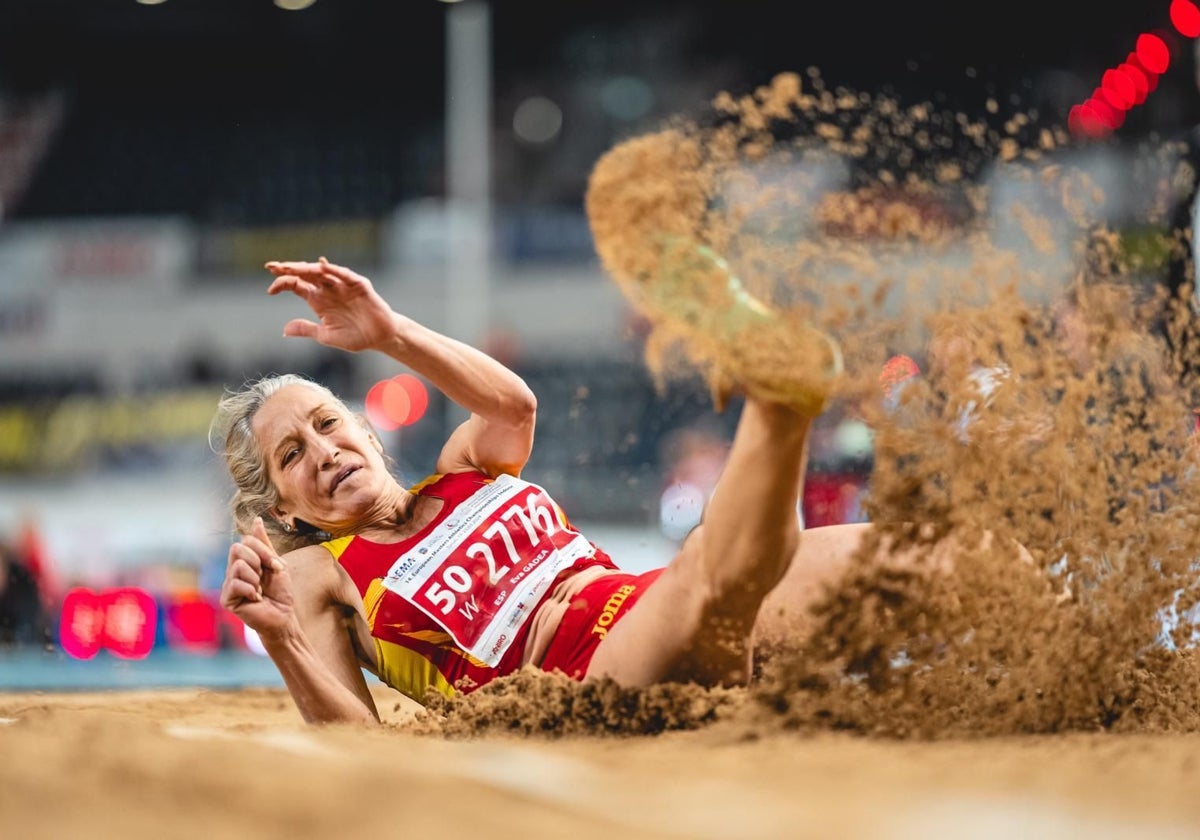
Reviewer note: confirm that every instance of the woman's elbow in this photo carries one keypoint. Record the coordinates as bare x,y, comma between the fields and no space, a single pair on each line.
524,406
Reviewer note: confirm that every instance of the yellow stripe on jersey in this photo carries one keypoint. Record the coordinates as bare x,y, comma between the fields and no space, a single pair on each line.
410,673
436,637
371,601
432,637
337,547
443,640
423,483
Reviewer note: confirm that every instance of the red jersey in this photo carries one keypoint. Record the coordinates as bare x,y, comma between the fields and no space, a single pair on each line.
449,607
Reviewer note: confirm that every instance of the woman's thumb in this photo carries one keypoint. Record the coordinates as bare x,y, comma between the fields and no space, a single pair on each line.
300,328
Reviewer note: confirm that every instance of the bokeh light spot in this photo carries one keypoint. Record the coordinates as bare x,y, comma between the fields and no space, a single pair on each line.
626,98
1137,78
376,412
1118,89
395,403
418,397
1185,16
1153,53
537,120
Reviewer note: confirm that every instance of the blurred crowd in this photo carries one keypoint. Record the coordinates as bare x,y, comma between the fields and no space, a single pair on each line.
29,595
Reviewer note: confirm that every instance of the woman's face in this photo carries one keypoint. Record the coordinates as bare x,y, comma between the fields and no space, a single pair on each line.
328,469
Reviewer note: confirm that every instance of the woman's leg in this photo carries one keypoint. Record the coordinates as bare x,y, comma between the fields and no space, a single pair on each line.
696,622
826,554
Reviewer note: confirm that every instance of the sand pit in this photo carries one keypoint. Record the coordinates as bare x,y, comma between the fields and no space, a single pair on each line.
182,763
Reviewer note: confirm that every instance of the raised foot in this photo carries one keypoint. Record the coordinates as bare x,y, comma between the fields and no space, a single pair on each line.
751,346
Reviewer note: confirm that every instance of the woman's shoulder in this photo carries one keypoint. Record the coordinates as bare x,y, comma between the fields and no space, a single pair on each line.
310,559
315,568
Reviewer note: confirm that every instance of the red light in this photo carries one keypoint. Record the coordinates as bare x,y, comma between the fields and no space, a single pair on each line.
1073,123
1090,121
1137,78
130,622
192,623
395,402
1186,18
81,623
122,621
1150,76
418,397
376,411
1153,53
1110,99
1109,116
1119,89
399,401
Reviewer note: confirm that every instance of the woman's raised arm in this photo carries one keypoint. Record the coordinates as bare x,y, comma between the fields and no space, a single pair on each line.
496,438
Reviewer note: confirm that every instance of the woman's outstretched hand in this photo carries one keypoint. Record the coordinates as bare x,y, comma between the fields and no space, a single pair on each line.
257,586
352,315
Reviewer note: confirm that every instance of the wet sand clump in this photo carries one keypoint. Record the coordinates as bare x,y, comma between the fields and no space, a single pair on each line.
532,702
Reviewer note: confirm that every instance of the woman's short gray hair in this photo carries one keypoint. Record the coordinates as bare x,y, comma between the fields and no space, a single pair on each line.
231,435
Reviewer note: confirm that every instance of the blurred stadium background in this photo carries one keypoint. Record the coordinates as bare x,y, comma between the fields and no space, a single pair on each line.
154,154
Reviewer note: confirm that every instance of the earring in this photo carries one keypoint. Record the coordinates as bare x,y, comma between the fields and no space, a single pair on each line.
287,527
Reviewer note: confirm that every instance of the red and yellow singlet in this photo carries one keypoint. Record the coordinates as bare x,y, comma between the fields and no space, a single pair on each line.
449,607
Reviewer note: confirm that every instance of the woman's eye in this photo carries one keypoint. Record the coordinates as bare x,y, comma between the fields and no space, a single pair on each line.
290,456
327,422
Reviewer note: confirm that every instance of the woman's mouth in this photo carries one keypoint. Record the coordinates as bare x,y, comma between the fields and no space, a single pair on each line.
342,476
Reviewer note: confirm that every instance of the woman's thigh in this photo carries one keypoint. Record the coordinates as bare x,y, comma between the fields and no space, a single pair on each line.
826,554
674,633
821,561
683,630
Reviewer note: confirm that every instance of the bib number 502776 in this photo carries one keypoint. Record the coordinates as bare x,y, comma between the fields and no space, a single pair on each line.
534,522
480,573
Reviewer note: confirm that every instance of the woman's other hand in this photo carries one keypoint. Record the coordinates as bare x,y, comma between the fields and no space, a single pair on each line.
257,586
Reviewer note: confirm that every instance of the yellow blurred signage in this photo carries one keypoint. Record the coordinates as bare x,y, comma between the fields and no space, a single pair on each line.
65,434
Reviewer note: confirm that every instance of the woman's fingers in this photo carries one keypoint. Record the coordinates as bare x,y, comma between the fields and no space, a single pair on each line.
236,591
243,582
320,273
291,283
240,552
340,272
300,328
259,544
246,570
307,270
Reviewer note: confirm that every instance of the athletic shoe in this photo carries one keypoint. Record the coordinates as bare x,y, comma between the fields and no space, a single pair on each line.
770,356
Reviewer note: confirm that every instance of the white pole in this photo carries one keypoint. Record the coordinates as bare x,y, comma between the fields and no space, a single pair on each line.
468,171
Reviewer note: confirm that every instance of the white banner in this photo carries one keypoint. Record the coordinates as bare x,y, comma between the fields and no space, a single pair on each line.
143,254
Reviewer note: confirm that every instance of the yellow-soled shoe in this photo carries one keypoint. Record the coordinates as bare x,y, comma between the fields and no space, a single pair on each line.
769,356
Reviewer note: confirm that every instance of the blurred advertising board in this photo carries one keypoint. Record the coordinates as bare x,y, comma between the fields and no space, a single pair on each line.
241,250
147,254
72,432
128,622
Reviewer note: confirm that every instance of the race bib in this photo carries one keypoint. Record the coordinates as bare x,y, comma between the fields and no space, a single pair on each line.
483,569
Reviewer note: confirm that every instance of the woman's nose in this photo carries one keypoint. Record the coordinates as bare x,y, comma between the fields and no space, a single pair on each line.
328,451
